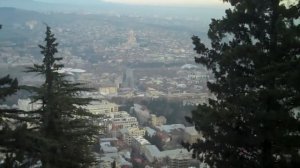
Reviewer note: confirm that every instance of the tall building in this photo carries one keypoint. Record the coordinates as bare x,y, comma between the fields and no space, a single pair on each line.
114,131
131,40
128,78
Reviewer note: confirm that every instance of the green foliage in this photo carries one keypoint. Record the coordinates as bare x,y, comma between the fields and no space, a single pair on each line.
254,57
8,87
174,111
13,128
65,128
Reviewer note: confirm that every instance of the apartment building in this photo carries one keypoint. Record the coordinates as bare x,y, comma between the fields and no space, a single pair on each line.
102,107
129,133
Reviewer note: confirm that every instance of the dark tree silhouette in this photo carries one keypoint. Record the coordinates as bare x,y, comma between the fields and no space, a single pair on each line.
65,128
13,127
254,57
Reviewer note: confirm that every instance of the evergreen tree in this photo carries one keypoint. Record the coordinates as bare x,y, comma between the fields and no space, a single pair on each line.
8,86
255,59
66,130
13,127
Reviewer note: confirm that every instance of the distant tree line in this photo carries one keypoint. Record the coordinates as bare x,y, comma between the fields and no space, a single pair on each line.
174,110
153,64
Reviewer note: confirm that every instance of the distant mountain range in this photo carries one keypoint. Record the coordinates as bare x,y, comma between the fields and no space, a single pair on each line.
203,13
14,15
38,6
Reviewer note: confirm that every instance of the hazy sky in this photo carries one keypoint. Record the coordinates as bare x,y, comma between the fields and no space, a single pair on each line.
147,2
170,2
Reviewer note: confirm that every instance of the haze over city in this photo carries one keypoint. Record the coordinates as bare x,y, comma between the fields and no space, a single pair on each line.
149,84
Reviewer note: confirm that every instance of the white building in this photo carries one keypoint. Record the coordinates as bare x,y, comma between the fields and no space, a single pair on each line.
102,107
191,135
139,143
107,148
178,158
28,105
170,128
119,114
119,120
129,133
124,122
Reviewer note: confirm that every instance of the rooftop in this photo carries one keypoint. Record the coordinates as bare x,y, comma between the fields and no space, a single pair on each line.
177,154
142,140
154,151
150,131
169,128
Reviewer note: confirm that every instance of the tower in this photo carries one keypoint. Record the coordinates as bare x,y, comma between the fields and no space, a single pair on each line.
128,78
114,131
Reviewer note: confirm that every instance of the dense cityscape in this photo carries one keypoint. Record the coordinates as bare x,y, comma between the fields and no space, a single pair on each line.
129,63
140,84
